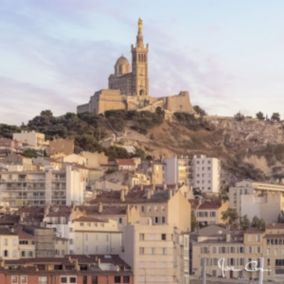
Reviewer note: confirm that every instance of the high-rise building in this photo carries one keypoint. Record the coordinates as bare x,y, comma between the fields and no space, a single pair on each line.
49,186
206,174
177,170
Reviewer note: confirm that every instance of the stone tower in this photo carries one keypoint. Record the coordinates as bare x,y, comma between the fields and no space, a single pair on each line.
140,83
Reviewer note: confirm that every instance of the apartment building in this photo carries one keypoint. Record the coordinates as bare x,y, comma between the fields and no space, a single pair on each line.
9,244
206,174
254,198
209,212
65,186
155,238
91,269
176,170
89,235
31,139
157,173
242,250
7,147
157,254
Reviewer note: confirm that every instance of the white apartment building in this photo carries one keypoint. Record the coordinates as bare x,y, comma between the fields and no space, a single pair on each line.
176,170
206,173
158,254
31,139
263,200
43,187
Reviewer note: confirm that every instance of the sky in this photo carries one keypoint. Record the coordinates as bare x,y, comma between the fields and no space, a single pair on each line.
54,54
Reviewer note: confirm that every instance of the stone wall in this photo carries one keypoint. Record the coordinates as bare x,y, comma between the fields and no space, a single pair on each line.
179,103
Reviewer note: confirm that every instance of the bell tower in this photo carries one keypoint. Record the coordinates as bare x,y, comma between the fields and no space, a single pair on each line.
140,84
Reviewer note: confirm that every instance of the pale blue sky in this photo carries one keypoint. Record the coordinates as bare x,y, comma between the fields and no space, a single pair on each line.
56,53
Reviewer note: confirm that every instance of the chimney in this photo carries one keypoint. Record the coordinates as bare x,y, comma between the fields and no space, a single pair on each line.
122,195
149,194
100,209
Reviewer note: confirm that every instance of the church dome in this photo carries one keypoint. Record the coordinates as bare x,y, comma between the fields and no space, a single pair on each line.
121,66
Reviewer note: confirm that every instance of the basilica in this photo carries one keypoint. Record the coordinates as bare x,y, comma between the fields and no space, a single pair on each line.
128,86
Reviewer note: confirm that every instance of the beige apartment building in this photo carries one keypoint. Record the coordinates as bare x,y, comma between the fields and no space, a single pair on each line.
9,244
209,212
31,139
241,250
43,187
254,198
155,241
90,235
157,173
157,254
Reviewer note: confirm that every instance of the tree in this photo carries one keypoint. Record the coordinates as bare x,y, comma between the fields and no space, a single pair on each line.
244,222
199,110
275,116
258,223
30,153
230,216
281,217
239,116
260,116
193,221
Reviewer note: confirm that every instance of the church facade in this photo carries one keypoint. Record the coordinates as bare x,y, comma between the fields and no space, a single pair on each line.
128,86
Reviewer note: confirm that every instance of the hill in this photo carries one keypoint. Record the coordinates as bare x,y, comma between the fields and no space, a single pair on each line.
248,148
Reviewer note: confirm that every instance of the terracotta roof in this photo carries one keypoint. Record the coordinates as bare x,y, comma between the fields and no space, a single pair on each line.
30,263
134,196
275,226
89,219
209,205
108,209
274,236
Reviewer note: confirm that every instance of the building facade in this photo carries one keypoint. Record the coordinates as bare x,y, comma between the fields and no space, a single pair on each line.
176,170
254,198
206,174
48,186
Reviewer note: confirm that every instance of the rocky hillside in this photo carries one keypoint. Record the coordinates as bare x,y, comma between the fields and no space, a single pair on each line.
248,148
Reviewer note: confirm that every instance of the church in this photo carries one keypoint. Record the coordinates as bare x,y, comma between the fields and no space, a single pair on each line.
128,86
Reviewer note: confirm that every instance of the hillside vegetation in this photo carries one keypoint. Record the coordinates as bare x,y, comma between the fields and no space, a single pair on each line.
248,148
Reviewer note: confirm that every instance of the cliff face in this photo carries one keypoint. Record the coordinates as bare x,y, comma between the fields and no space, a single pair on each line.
248,149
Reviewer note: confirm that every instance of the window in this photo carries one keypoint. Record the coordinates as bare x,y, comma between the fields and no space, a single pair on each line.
63,280
163,237
126,279
117,279
141,237
72,280
5,253
24,279
163,220
42,280
156,220
14,279
141,251
95,280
